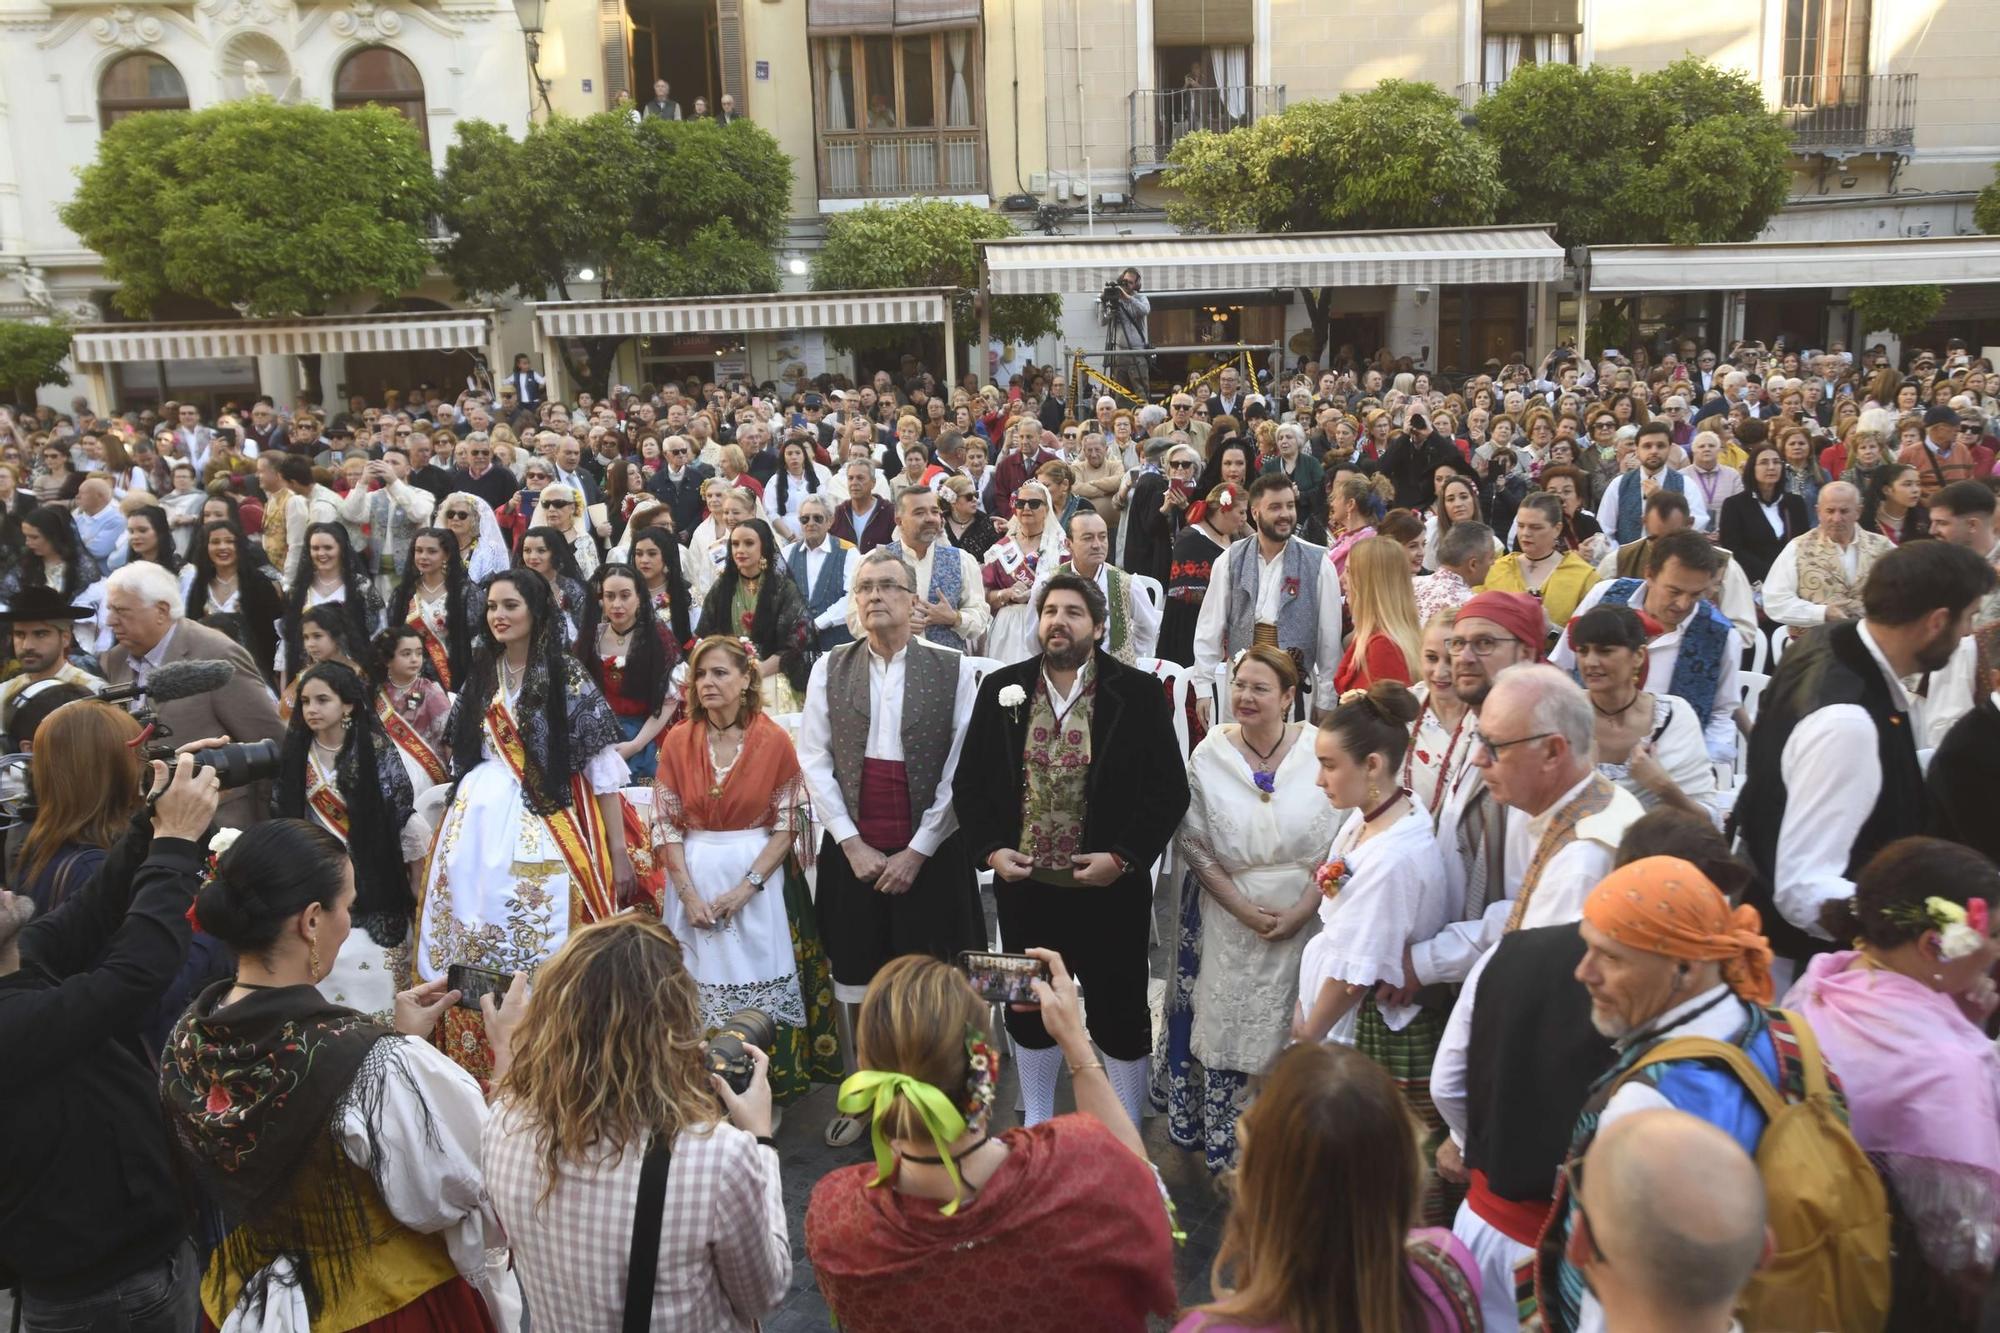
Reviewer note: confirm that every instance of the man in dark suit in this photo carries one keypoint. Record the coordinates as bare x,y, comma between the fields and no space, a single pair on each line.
1097,813
678,482
482,476
662,107
728,114
142,604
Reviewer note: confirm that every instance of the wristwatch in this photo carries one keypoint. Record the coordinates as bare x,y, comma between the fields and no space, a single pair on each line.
755,879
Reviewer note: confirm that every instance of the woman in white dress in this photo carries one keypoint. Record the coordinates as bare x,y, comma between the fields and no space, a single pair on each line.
1650,744
1438,738
730,819
728,507
1255,828
340,771
1383,888
1029,553
798,476
533,842
481,544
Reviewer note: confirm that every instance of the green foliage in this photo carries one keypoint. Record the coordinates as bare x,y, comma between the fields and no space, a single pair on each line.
1395,156
1684,155
672,208
1898,310
31,355
278,209
924,243
1986,209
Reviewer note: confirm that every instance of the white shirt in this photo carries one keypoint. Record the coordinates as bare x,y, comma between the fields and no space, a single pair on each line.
1145,628
1214,618
1735,600
1607,504
1831,784
815,562
1719,727
885,741
1781,586
142,665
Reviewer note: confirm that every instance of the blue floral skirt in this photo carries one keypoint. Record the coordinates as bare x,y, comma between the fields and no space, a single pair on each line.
1201,1104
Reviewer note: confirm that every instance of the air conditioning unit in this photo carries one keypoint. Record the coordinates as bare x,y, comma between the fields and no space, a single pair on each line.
1111,199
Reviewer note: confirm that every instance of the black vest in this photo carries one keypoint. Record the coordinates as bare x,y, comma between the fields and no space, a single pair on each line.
1529,1062
1829,666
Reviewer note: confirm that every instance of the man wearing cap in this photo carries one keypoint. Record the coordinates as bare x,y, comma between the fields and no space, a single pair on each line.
1665,957
1697,655
1412,461
44,634
1939,458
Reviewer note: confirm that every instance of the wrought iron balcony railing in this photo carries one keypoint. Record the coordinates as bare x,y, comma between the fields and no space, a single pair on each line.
1162,117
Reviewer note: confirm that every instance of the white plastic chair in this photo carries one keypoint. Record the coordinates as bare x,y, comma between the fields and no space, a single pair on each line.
1151,589
1182,682
1760,651
982,667
1781,639
1754,685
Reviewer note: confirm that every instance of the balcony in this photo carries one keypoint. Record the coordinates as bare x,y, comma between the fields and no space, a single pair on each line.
1161,118
893,164
1469,94
1842,114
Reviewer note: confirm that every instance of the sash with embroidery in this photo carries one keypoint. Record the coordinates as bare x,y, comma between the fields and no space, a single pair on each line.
1594,799
434,645
409,741
326,802
578,831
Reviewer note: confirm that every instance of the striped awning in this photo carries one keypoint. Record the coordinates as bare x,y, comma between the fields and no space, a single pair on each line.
418,331
1764,265
764,312
1027,265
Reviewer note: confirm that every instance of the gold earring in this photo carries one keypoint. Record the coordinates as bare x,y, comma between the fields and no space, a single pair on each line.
312,959
1374,794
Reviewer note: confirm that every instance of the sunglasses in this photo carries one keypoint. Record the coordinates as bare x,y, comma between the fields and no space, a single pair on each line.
1030,504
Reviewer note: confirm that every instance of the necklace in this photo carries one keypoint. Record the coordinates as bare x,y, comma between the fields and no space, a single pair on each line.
1621,709
939,1161
1263,773
1370,816
720,771
510,679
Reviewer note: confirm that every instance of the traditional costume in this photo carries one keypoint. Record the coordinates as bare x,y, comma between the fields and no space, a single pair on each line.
443,620
1697,660
1132,622
1008,565
631,698
1561,592
1624,502
382,522
414,718
343,1161
773,618
1229,1003
1437,754
1291,600
1195,554
488,553
767,955
878,745
1815,572
952,576
826,587
515,866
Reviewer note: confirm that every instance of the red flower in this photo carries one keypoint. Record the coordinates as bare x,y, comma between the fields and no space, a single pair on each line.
1975,914
218,1099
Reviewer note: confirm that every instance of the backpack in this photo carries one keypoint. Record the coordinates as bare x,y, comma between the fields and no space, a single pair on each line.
1828,1212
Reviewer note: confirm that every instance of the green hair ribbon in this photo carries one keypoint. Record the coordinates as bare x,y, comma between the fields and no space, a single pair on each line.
873,1090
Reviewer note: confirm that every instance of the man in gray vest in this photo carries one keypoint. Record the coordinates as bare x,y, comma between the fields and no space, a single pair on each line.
1273,587
822,566
950,608
878,742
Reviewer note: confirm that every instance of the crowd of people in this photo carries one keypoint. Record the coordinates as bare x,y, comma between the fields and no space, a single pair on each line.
1571,786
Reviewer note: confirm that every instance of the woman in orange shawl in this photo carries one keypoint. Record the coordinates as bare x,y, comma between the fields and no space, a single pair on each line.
730,819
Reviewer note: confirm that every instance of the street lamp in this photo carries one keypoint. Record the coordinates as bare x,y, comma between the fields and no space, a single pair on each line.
530,14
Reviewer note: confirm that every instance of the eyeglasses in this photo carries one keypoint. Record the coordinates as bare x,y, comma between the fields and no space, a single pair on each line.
1180,465
1030,504
812,518
1493,748
1483,646
1183,407
881,587
555,504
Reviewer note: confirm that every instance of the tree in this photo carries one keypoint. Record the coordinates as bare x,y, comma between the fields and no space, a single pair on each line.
273,209
1986,209
1898,310
1683,155
658,209
1395,156
31,355
923,243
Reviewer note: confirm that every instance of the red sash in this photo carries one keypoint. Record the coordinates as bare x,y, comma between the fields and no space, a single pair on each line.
578,831
434,647
407,739
326,803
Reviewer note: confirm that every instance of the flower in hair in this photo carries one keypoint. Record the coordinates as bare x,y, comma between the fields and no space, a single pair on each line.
1349,696
223,840
1957,937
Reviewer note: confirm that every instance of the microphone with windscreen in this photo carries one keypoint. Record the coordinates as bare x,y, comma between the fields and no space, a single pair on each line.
170,681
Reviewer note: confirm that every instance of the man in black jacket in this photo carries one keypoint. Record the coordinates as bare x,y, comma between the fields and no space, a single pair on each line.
1071,826
678,482
93,1226
1412,460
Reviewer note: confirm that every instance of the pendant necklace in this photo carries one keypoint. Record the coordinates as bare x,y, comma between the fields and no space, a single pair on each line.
1263,772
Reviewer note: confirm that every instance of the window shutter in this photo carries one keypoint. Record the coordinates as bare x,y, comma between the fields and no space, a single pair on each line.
1202,22
729,46
840,18
1533,15
617,60
936,15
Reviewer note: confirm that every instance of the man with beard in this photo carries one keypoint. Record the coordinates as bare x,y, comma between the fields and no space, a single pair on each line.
1068,788
1273,587
878,743
44,633
950,606
1833,772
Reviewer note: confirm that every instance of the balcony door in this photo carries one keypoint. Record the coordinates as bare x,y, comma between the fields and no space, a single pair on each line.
1826,53
897,105
1514,33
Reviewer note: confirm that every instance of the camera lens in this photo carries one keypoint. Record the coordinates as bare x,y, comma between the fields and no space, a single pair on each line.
241,763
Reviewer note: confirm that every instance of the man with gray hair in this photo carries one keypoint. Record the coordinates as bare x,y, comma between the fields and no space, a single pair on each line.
950,607
143,610
1819,575
1464,554
878,743
823,567
1670,1222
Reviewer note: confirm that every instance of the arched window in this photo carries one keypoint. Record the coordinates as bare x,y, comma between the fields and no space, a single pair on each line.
382,77
139,82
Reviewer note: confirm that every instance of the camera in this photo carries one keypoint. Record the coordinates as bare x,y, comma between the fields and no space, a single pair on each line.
1113,292
237,764
726,1056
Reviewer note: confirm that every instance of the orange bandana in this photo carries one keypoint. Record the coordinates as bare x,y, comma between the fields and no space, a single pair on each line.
1664,905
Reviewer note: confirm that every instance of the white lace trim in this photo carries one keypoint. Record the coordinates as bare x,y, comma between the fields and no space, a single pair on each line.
780,998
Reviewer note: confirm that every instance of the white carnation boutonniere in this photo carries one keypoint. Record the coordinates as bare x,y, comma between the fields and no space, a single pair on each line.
1011,699
619,661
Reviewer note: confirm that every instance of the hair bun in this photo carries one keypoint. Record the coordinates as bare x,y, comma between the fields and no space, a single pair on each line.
219,909
1393,702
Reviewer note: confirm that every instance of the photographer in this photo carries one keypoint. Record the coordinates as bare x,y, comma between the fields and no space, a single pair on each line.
92,1223
615,1012
1123,312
